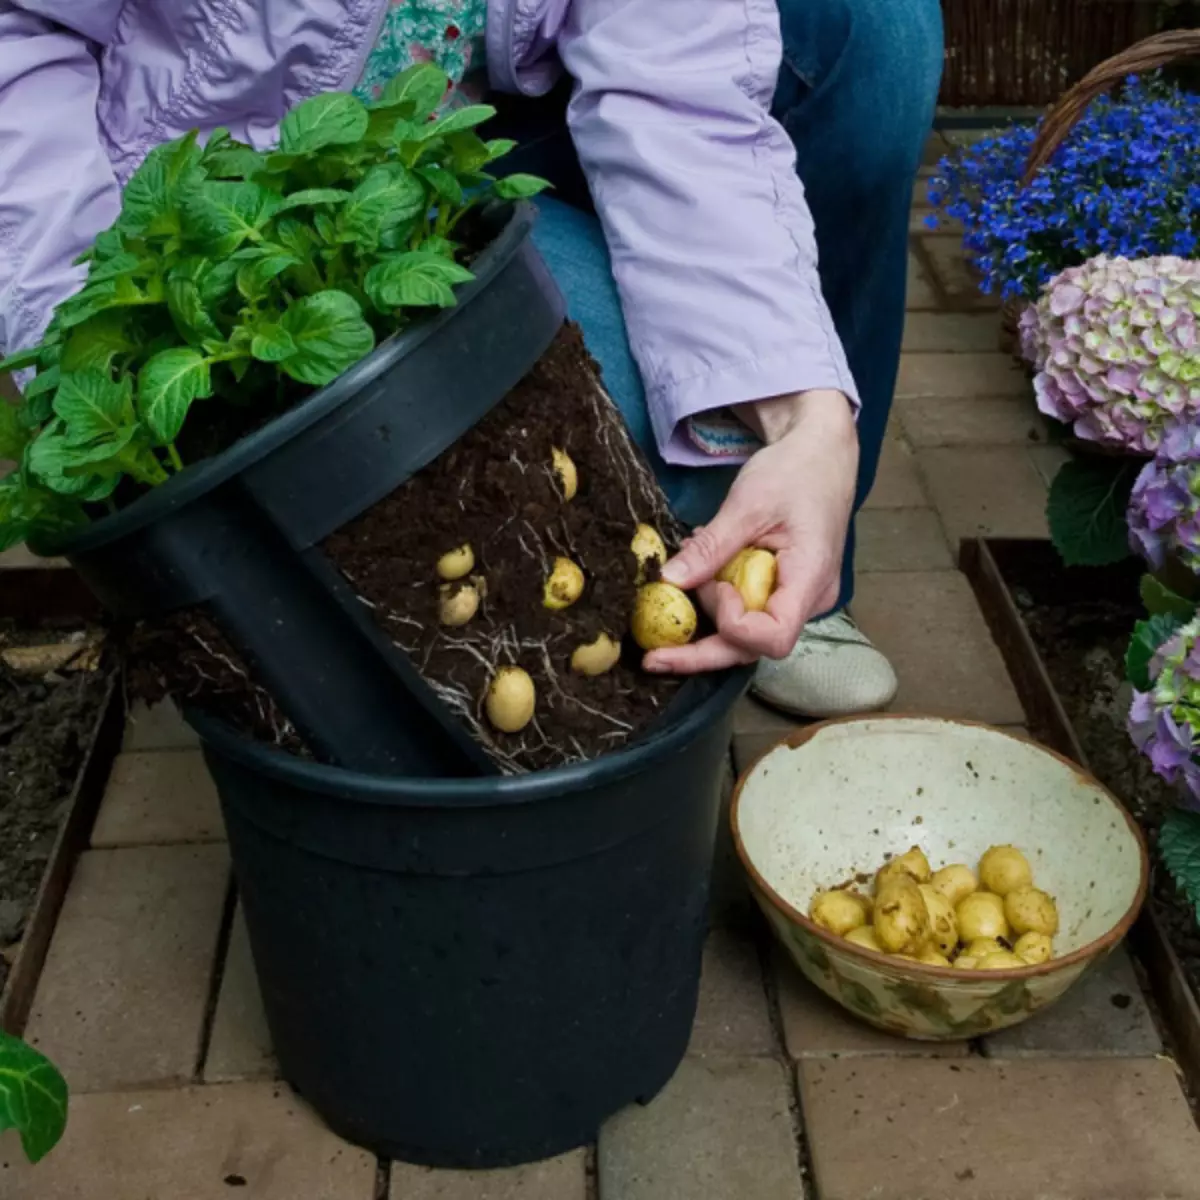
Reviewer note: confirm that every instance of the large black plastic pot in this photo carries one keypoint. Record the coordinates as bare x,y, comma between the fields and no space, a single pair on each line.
478,972
238,534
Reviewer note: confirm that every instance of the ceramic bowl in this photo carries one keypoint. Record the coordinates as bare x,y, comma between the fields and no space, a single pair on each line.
835,800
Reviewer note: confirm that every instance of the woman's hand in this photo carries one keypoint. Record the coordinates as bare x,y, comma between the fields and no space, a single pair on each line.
794,497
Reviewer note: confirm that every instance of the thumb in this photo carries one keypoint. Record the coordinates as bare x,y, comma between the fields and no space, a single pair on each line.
708,549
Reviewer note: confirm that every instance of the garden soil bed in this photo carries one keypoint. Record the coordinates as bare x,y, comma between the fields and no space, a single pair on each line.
494,489
1080,621
48,724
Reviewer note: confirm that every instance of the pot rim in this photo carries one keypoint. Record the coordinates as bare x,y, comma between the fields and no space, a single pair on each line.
200,478
476,791
1093,950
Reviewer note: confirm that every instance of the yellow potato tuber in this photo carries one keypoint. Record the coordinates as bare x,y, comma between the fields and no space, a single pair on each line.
864,936
456,563
911,863
981,915
752,571
662,616
1030,910
982,947
1002,960
1003,869
942,920
459,603
838,911
956,882
596,658
966,962
648,547
933,958
565,472
510,700
1034,948
564,586
901,918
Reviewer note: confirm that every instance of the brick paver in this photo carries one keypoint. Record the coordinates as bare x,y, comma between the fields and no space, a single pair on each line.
156,797
897,479
756,728
733,1018
930,626
950,333
903,539
925,1129
943,251
256,1141
720,1130
986,491
122,998
941,422
960,377
239,1046
921,293
158,728
562,1178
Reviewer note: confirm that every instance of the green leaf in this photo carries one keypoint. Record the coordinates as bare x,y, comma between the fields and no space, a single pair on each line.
519,187
1160,600
13,435
468,153
36,399
71,469
458,121
93,407
330,335
313,197
150,202
418,279
219,216
272,343
233,161
21,359
192,320
1179,845
444,183
330,119
123,263
416,91
33,1097
97,341
388,195
499,147
1148,636
167,386
254,277
1086,511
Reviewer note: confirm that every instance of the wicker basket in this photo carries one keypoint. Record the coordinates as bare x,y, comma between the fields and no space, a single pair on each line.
1027,52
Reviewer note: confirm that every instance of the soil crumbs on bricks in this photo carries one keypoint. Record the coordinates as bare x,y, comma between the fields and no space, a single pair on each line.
495,489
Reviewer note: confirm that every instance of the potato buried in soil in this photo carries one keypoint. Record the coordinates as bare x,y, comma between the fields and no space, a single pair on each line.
662,616
648,547
511,698
596,658
564,586
456,563
565,472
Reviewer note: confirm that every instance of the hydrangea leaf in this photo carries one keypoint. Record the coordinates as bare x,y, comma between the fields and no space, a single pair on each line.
33,1097
1086,511
1179,845
1148,635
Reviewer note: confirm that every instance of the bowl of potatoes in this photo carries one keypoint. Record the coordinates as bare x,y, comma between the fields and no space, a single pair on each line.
939,879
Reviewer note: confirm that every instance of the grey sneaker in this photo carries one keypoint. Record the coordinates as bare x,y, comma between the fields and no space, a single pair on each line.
833,671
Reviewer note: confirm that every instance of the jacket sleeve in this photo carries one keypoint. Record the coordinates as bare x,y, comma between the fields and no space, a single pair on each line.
695,184
57,189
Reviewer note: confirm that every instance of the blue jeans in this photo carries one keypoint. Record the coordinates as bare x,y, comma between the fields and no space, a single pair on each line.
856,94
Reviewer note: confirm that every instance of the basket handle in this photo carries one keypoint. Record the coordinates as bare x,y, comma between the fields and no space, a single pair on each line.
1158,51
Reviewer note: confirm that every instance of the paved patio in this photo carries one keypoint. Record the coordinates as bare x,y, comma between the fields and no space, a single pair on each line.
148,999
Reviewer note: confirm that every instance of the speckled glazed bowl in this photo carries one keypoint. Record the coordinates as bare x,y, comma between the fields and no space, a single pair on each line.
835,799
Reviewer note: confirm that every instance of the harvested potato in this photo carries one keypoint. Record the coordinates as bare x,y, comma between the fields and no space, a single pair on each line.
1002,960
956,882
901,918
1034,948
1030,910
864,936
564,586
933,958
982,947
912,863
942,920
510,702
648,547
981,915
838,911
456,563
752,571
1004,869
565,472
966,962
662,616
459,603
596,658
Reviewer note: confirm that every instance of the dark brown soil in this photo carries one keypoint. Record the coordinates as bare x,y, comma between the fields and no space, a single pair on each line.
1081,622
495,490
45,725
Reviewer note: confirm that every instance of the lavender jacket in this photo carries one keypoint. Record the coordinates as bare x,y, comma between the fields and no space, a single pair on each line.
711,240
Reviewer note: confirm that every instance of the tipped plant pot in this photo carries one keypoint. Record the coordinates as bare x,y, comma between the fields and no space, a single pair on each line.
238,535
478,972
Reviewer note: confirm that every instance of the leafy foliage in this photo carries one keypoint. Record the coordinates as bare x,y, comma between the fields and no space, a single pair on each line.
1148,636
233,275
1086,511
33,1097
1179,845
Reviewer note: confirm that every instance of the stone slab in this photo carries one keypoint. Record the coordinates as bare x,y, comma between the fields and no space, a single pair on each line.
961,377
971,422
156,797
720,1130
237,1142
563,1178
159,727
1103,1015
924,1129
239,1046
919,290
756,728
733,1018
992,491
122,998
900,539
897,479
929,625
951,333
